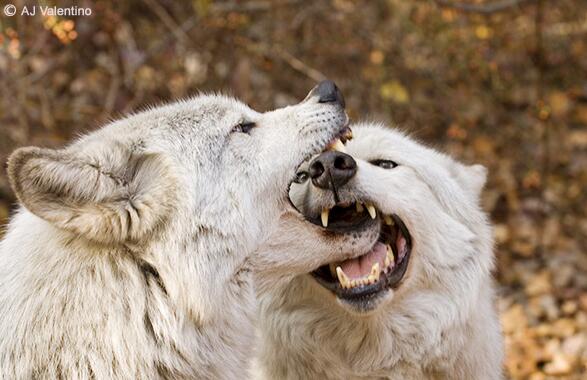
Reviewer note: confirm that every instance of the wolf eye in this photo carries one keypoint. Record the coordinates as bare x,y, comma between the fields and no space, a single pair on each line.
244,127
301,177
384,164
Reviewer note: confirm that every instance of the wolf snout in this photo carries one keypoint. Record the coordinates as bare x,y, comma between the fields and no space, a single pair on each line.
327,92
332,169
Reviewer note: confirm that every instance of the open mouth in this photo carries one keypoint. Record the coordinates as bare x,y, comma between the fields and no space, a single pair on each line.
346,217
382,268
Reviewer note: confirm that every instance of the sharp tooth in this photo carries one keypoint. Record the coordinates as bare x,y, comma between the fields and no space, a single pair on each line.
389,256
342,278
375,269
371,210
371,279
353,283
359,207
324,216
339,146
388,220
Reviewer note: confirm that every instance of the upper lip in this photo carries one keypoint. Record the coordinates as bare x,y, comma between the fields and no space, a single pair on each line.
328,217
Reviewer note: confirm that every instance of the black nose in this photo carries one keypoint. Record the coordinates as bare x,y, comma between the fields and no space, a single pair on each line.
328,92
332,169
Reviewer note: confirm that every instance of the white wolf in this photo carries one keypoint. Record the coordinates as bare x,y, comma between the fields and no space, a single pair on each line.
415,298
131,257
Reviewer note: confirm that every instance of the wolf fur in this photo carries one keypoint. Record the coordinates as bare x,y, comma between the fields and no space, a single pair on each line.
440,323
130,258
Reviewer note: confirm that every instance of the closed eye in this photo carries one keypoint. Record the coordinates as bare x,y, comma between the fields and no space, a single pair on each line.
244,127
384,164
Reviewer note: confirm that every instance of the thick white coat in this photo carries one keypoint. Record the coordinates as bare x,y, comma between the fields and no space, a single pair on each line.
440,323
131,256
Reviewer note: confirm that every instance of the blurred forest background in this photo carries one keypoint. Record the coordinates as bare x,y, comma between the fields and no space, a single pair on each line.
499,82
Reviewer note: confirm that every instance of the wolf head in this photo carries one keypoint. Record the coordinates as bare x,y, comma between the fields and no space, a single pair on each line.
210,159
406,217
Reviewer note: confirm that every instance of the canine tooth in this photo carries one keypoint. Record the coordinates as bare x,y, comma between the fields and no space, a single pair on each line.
325,213
388,220
359,207
342,278
389,256
338,146
371,210
375,269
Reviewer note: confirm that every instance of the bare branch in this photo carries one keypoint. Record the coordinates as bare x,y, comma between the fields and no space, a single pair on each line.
487,8
167,20
299,65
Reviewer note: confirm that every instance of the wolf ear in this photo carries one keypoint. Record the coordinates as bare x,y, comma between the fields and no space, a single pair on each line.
122,198
472,177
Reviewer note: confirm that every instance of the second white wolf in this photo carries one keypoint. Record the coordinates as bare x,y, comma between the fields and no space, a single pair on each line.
414,299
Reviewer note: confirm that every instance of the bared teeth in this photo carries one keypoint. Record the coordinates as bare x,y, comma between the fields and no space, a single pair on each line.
371,210
348,283
359,207
388,220
324,217
342,278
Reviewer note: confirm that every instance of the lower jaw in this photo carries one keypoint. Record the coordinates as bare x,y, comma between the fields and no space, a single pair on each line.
367,305
357,301
366,298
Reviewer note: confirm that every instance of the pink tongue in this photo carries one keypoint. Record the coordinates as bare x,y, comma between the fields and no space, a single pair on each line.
361,266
